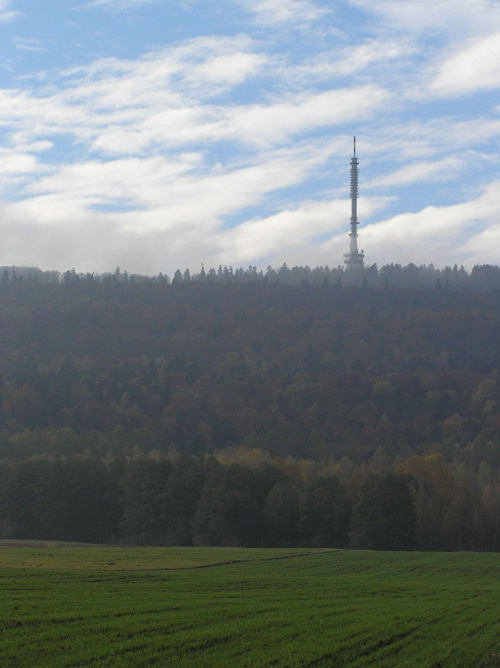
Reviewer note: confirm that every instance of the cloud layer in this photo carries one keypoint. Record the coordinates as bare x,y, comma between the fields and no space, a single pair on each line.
231,144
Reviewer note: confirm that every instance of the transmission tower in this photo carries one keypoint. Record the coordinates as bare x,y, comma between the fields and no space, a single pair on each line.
354,259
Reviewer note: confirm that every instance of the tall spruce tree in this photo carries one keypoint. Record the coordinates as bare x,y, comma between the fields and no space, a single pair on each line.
384,516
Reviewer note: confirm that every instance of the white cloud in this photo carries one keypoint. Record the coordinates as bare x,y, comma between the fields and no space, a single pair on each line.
195,70
277,122
135,241
442,235
171,192
5,17
266,12
164,100
177,215
7,14
33,147
126,108
113,97
374,61
284,12
455,45
359,57
456,17
482,248
475,68
293,235
187,229
218,149
420,172
17,168
32,44
426,142
261,125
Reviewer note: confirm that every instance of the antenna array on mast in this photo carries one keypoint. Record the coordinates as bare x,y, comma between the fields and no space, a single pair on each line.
354,259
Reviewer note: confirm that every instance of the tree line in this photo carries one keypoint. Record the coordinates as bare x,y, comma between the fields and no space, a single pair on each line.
417,503
394,275
192,501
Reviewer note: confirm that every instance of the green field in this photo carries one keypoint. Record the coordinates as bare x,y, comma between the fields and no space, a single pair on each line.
84,606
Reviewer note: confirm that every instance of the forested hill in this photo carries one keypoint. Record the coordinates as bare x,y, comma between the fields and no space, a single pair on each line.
351,376
310,370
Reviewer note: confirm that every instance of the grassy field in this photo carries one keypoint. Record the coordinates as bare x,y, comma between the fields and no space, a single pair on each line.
88,606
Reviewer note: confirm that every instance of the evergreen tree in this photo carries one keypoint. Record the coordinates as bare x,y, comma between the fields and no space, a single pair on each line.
143,484
324,514
281,515
384,516
180,499
229,511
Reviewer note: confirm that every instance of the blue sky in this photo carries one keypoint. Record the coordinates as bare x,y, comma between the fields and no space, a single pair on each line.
160,134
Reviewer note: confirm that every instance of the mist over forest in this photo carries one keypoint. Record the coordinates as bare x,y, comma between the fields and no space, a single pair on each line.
284,407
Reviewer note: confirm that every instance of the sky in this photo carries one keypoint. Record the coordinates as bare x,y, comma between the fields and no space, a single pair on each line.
155,135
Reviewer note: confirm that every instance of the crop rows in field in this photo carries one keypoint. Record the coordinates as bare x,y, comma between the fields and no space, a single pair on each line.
256,608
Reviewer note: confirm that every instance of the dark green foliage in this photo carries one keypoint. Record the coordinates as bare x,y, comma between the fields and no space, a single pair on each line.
200,501
384,515
281,516
324,513
143,485
180,500
229,511
73,500
23,498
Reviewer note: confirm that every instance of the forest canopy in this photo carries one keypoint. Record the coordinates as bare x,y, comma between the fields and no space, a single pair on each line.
315,373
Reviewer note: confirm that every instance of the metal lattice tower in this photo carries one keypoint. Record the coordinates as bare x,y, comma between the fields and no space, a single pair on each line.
354,259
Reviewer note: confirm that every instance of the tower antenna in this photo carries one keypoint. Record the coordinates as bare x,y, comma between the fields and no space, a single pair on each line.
354,259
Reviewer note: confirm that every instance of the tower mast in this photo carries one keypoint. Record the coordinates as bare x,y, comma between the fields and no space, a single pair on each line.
354,259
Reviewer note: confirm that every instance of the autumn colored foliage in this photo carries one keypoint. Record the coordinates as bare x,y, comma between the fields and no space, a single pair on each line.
296,377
